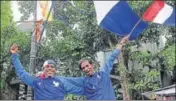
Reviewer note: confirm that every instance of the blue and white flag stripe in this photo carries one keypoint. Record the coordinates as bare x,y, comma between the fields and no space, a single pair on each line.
118,17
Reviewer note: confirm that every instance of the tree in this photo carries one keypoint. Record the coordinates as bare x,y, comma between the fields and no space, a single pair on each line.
169,54
7,17
150,35
10,34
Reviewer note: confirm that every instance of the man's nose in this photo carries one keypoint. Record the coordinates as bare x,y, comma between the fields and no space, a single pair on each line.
86,69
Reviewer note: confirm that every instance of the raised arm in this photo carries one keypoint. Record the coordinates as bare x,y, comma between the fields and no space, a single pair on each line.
21,73
109,62
73,85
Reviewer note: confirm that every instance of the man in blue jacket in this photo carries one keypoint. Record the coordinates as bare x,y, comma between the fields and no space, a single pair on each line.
51,87
97,85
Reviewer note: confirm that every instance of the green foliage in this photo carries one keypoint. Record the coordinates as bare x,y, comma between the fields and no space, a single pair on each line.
10,34
141,80
6,16
76,35
142,57
169,55
145,81
31,5
139,6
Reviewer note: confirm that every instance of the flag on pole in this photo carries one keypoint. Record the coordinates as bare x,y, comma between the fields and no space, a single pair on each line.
38,29
160,12
43,8
119,18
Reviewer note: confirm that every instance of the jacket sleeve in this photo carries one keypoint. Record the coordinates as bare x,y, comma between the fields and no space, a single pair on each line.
21,73
109,62
73,85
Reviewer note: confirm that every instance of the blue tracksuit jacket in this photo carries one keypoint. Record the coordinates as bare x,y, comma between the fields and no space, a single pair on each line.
49,88
99,86
95,87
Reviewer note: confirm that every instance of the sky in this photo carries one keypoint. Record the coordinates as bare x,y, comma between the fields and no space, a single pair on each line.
23,26
16,13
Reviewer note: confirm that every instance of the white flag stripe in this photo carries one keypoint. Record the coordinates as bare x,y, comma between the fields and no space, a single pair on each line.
164,14
102,8
43,7
39,11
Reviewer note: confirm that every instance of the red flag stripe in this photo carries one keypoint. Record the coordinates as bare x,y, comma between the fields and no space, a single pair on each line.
153,10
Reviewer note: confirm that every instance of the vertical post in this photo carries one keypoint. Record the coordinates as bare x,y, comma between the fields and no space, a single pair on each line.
123,76
32,56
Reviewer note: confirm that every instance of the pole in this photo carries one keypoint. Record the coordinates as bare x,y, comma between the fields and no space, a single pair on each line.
32,57
123,72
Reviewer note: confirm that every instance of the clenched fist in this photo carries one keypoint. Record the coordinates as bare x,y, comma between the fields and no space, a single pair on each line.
125,40
14,48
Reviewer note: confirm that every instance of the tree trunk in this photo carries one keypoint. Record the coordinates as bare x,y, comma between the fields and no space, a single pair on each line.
123,74
124,78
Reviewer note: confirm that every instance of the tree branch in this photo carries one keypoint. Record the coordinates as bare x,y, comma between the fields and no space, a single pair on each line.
115,77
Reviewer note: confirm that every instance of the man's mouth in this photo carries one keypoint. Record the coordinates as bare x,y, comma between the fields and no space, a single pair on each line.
88,72
50,72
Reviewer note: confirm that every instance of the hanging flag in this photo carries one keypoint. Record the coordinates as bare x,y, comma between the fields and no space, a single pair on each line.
160,12
119,18
38,30
43,8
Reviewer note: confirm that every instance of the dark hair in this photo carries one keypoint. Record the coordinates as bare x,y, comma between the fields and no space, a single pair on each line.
49,62
84,59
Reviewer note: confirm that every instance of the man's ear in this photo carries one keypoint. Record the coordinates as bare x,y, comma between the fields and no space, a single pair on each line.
55,69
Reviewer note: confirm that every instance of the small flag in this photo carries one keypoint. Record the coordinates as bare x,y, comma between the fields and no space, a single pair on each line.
160,12
119,18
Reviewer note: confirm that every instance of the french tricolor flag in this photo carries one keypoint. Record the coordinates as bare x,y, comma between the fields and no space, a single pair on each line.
119,18
160,12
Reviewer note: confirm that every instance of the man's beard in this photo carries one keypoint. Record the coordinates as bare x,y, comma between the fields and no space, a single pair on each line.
50,76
